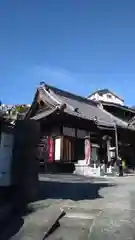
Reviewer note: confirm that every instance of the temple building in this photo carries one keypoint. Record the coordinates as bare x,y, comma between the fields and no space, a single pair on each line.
78,134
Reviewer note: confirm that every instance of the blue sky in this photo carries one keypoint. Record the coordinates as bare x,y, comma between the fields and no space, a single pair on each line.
77,45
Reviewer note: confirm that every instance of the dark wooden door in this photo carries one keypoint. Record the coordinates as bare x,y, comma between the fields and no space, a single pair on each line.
68,149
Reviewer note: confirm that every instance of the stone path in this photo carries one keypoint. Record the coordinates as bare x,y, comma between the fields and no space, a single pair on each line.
108,215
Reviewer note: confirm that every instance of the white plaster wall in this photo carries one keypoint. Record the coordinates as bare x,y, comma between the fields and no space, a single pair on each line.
105,98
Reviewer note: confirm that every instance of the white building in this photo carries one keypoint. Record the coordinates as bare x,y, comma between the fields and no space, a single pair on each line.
105,95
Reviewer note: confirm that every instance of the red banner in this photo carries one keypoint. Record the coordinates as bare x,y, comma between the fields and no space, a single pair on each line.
50,149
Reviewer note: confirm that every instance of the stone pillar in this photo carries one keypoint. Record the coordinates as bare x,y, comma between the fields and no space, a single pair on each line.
24,163
108,150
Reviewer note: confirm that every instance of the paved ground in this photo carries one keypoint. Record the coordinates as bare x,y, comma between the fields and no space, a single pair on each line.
96,209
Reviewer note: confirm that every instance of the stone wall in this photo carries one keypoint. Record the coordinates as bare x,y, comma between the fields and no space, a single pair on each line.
24,165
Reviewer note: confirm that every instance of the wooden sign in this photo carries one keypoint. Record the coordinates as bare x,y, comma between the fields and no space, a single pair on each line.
82,133
67,131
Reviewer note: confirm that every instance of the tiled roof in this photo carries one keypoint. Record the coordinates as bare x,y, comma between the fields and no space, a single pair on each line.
80,106
43,114
124,107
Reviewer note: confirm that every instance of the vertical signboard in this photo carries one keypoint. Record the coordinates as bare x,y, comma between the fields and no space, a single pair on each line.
87,151
50,149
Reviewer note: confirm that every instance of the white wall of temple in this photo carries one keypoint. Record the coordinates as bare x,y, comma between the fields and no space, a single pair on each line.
108,97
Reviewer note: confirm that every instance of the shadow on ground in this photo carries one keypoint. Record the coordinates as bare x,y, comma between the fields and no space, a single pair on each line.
70,190
75,189
13,224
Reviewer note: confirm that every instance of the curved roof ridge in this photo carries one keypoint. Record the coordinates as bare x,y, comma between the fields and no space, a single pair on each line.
71,95
55,98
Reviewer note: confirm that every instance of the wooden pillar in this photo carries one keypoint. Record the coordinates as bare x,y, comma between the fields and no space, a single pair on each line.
105,138
116,143
108,150
62,148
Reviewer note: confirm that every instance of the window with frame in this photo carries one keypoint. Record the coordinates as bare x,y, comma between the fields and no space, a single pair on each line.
109,96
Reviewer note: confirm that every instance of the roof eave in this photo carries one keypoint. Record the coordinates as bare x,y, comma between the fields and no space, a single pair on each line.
117,105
